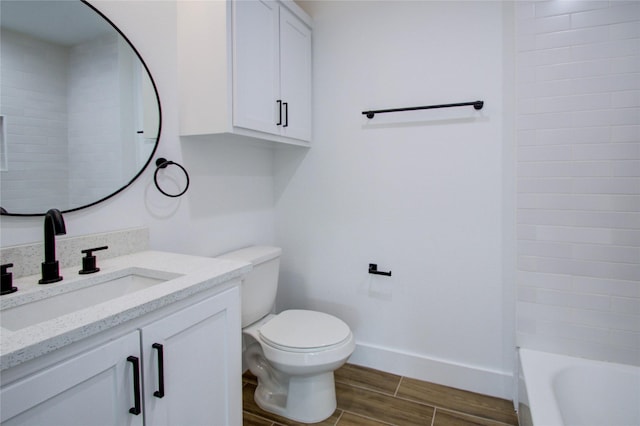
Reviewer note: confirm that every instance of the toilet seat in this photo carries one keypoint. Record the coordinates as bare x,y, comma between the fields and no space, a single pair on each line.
304,331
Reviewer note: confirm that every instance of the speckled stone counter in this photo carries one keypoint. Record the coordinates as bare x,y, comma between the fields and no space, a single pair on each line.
26,258
186,276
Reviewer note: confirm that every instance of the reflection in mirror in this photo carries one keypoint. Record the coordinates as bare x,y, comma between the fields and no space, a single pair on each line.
79,112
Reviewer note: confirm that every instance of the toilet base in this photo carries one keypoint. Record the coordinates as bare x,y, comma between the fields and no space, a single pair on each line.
298,385
309,399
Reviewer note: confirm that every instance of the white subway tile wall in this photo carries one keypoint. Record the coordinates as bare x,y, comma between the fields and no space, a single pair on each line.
101,84
578,169
33,104
62,108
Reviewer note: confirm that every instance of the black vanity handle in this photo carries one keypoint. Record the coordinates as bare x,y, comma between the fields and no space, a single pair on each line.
279,123
160,392
136,384
286,114
89,252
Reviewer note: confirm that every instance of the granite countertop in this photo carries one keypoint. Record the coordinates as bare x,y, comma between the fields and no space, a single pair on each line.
186,275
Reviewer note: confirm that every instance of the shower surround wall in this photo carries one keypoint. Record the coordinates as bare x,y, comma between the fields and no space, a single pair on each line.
97,83
34,120
64,103
578,168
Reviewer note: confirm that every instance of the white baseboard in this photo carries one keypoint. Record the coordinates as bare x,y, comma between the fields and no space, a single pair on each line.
460,376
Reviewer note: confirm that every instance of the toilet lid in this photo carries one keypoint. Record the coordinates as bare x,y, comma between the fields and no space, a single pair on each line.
300,329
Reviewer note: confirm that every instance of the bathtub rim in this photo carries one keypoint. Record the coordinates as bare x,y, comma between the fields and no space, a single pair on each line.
538,369
543,406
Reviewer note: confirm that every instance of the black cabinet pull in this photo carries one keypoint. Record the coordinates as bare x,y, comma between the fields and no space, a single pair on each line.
279,123
136,384
286,114
160,392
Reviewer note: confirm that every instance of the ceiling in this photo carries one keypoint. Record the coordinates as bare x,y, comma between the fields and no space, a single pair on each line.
63,22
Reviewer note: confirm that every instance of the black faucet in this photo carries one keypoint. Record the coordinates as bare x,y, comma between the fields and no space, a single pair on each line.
53,225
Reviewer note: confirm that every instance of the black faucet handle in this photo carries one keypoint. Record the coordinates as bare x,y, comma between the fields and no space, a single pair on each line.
89,252
89,261
7,279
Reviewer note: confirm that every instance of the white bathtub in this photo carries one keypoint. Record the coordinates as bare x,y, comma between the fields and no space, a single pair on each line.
562,390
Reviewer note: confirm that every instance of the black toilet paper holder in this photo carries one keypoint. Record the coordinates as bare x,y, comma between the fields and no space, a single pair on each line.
373,269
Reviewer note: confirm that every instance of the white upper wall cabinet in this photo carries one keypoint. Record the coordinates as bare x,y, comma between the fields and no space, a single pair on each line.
245,69
295,76
256,65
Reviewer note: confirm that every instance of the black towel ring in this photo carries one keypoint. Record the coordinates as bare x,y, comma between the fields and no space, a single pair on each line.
162,163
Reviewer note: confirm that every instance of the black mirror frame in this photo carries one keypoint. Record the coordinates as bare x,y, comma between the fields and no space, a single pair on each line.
3,212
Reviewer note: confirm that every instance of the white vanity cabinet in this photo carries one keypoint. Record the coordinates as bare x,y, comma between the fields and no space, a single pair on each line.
200,346
245,69
93,387
200,382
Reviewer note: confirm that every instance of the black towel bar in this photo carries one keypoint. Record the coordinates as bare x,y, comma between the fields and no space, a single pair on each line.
475,104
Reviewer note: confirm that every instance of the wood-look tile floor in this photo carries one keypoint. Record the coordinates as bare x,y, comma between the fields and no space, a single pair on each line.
368,397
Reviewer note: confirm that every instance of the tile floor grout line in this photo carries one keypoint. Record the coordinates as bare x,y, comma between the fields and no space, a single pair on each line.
415,401
379,392
368,417
273,422
367,388
434,406
473,415
395,394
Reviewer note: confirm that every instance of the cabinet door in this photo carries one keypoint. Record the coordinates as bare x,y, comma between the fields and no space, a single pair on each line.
295,75
200,347
255,66
93,388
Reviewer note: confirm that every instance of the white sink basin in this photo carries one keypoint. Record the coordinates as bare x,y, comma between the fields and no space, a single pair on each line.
81,294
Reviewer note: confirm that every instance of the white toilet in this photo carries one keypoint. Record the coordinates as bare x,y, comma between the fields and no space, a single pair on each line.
294,353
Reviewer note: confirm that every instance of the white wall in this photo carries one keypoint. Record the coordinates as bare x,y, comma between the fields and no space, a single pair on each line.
423,194
418,193
230,201
579,178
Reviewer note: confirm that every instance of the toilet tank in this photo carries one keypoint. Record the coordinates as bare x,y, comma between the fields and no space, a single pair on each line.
259,287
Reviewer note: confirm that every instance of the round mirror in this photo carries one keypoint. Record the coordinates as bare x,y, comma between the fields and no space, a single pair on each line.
80,114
